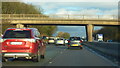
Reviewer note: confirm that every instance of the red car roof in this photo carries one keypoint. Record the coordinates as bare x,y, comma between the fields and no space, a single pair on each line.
19,29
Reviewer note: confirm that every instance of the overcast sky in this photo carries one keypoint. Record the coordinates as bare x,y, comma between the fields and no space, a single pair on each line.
71,0
85,8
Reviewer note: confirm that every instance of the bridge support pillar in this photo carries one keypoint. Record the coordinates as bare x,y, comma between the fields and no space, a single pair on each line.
89,30
19,26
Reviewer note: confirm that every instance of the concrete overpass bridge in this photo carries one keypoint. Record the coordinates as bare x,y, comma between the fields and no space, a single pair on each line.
21,20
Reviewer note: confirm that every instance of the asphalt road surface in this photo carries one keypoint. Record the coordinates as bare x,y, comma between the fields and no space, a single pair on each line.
61,56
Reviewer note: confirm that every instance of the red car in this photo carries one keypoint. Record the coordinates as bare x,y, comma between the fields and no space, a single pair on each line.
21,43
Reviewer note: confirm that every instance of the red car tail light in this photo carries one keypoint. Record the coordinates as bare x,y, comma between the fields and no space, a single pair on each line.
68,41
80,41
31,40
80,45
68,45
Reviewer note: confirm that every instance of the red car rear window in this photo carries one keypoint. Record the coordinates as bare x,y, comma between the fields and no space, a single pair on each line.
17,34
75,38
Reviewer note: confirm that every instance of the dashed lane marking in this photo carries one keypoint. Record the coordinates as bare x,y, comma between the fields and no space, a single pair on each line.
50,62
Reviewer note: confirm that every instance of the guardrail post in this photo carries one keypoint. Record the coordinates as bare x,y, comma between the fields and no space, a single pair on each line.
19,26
89,29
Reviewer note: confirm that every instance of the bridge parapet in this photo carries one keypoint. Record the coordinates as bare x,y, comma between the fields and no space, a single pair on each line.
58,16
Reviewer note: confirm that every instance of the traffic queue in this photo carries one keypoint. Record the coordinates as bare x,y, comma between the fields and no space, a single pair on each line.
27,43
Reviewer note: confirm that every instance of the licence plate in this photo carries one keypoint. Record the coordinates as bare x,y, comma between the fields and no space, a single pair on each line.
16,43
51,41
74,44
59,41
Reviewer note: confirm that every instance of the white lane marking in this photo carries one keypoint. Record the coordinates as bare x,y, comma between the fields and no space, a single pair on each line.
50,62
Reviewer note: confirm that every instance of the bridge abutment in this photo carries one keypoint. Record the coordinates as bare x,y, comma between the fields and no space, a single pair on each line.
19,26
89,30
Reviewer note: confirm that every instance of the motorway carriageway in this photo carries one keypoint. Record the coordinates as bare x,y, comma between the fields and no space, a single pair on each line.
61,56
